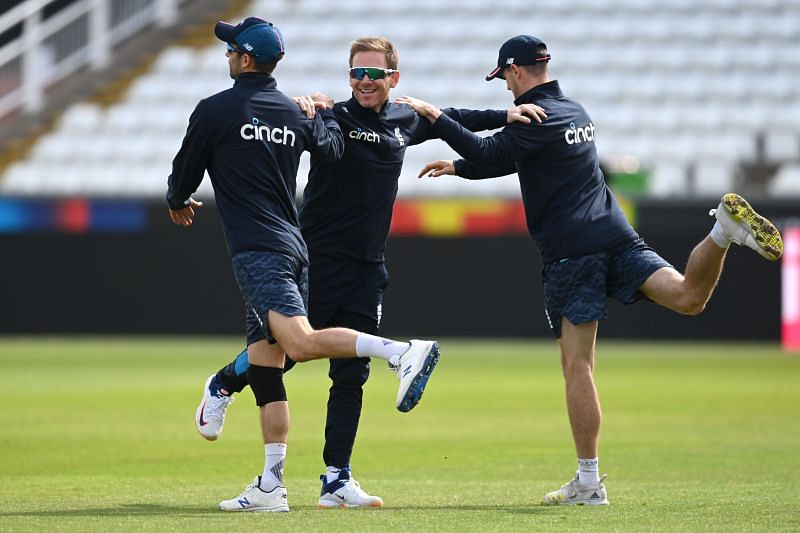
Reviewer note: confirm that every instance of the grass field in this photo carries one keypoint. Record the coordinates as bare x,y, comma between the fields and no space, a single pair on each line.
98,435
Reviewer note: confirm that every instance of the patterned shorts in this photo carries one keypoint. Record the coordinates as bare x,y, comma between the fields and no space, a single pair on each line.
270,281
578,288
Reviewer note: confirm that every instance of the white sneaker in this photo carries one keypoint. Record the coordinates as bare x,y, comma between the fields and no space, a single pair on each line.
345,492
413,370
255,499
745,227
210,414
575,493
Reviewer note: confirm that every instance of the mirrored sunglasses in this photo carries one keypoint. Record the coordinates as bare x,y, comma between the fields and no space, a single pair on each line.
374,73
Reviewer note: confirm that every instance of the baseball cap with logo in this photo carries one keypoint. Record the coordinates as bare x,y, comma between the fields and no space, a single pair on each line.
258,37
519,50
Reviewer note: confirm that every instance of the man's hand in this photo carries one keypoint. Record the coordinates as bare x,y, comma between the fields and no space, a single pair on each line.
518,114
423,108
183,217
323,99
438,168
310,104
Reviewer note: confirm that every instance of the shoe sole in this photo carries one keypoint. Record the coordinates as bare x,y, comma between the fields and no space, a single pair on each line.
260,510
586,503
417,387
764,232
580,502
374,505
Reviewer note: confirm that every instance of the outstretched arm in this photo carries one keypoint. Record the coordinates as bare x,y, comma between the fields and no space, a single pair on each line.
475,120
465,169
471,119
503,148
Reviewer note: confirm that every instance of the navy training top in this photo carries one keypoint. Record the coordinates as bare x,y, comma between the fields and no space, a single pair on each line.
249,138
347,204
570,211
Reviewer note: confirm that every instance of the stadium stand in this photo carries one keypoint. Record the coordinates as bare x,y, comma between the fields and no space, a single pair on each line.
698,91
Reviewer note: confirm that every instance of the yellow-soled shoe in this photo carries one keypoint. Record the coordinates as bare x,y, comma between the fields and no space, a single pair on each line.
747,228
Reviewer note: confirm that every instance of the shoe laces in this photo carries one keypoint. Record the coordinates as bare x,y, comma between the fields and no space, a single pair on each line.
216,406
351,485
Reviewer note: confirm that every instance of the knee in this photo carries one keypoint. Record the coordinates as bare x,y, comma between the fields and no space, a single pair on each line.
297,348
574,366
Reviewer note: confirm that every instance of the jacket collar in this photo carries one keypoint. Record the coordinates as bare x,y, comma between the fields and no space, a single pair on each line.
255,79
354,107
550,89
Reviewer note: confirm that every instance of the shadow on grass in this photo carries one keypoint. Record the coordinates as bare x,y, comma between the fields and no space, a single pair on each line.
127,509
154,509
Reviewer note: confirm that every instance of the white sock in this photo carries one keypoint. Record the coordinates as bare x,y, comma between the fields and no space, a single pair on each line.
588,472
720,236
371,346
274,456
331,474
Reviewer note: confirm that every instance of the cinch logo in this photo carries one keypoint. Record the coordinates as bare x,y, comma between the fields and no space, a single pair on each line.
262,132
578,135
360,135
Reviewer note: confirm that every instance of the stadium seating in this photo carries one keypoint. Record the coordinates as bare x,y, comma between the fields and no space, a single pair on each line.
687,87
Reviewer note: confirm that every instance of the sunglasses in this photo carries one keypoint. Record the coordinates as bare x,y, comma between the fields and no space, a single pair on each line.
233,50
374,73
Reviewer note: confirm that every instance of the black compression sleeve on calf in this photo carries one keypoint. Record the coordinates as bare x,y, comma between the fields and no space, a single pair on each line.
229,381
267,384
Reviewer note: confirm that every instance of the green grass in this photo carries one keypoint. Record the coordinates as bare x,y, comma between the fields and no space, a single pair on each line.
98,435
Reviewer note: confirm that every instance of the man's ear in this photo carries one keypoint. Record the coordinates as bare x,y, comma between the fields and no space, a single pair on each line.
394,79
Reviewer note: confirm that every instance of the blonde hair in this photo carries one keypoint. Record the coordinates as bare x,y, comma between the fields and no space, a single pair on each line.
375,44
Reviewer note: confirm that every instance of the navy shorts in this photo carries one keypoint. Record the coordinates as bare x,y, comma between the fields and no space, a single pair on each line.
267,281
346,293
578,288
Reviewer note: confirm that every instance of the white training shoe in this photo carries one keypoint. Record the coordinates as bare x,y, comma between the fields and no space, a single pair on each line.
210,414
745,227
575,493
413,370
255,499
345,492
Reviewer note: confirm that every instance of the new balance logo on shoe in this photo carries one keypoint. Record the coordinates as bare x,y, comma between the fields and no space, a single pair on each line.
406,370
244,502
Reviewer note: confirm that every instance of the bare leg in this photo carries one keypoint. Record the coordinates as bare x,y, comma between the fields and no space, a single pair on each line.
303,343
688,293
274,415
583,404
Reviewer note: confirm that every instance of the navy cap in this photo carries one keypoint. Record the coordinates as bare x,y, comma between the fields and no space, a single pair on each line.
519,50
258,37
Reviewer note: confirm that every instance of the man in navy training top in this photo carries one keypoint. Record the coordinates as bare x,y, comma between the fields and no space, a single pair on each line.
345,219
589,250
249,138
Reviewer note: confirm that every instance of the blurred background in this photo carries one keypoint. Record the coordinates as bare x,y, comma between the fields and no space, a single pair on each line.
690,99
